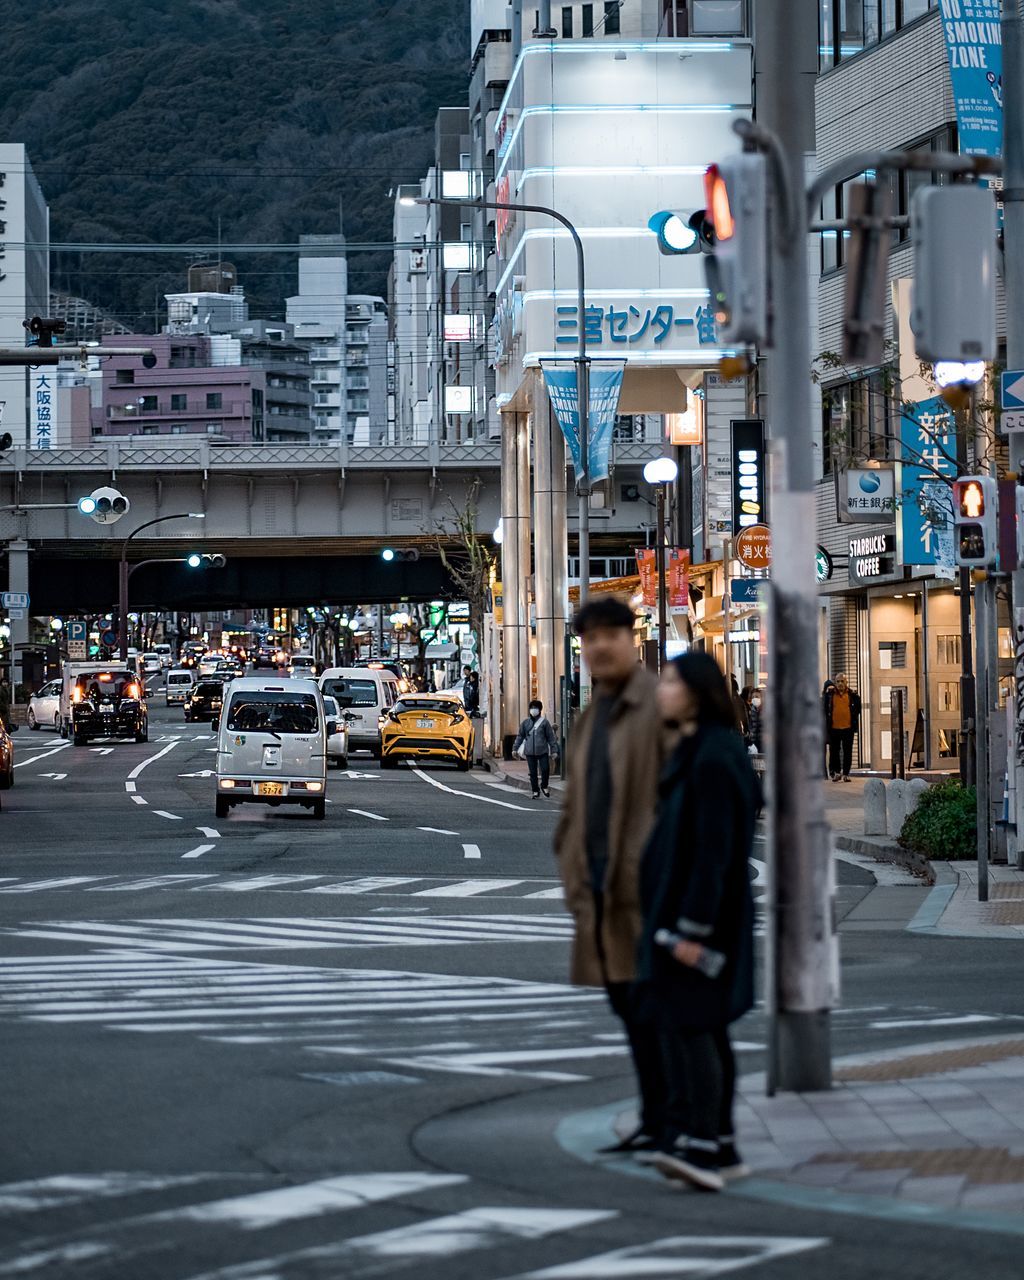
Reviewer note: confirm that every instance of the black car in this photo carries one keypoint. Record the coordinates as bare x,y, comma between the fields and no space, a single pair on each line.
6,758
205,700
109,704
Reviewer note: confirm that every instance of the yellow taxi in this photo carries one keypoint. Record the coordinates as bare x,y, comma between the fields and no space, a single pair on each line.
426,726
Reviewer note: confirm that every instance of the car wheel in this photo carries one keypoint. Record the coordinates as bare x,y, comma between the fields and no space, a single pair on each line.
142,735
221,807
6,781
56,726
33,723
343,762
80,740
462,766
387,763
62,729
320,809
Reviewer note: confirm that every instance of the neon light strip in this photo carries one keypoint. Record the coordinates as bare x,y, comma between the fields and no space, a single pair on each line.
590,233
547,295
693,356
603,109
564,47
617,171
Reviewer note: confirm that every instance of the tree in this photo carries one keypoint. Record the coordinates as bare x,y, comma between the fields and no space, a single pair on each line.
466,557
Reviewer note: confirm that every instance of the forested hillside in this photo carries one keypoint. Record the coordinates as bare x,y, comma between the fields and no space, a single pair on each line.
149,120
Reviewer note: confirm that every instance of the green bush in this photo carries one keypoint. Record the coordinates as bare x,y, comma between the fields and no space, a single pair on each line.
945,823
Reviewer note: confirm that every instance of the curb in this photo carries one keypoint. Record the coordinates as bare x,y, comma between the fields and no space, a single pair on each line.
884,850
930,912
513,779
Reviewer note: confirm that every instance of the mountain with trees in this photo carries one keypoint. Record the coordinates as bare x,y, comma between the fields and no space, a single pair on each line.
189,121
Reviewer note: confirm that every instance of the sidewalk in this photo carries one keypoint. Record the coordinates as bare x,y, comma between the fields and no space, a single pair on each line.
937,1129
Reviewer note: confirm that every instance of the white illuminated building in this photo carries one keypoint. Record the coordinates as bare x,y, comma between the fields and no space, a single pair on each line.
24,287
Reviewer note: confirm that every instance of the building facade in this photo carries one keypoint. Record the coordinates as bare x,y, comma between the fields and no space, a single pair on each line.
24,288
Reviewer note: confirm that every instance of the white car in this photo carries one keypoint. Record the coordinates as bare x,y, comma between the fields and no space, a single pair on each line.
208,664
337,743
179,686
302,665
44,707
151,664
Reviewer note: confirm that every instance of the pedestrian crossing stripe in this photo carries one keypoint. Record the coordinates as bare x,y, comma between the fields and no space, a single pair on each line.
678,1256
301,933
538,888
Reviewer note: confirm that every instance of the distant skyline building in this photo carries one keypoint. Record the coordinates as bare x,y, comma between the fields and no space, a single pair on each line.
24,289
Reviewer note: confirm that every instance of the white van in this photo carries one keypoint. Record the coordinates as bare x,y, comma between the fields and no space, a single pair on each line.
367,693
272,744
178,687
166,658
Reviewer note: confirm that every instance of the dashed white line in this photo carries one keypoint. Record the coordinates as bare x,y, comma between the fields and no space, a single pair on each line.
209,832
471,850
162,813
139,800
199,850
130,787
364,814
438,831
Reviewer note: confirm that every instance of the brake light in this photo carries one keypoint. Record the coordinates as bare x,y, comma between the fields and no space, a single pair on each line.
104,677
132,691
76,695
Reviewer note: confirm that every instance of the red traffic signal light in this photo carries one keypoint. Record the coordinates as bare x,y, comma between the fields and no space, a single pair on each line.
719,210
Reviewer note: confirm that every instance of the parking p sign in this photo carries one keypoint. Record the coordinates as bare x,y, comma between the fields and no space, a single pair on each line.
78,639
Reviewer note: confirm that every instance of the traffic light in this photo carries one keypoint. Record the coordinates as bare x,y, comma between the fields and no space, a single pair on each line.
206,560
737,270
104,505
408,553
6,441
975,522
867,272
683,232
953,315
43,331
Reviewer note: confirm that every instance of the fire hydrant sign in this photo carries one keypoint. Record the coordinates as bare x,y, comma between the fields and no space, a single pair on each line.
753,547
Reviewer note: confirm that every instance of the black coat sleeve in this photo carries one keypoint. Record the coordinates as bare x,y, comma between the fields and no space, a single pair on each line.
712,817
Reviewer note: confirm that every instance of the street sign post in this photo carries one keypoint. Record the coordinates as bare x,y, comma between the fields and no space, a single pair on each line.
1011,389
753,546
1010,421
78,639
14,600
745,590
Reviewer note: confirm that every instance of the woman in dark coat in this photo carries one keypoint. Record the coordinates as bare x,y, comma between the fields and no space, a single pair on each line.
695,886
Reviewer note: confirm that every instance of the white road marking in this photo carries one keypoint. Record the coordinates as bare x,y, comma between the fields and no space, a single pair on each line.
365,884
250,883
504,804
101,751
354,775
209,832
471,850
201,773
480,1228
130,787
199,850
73,1188
375,816
761,870
465,888
61,882
330,1195
162,813
548,893
952,1021
141,884
139,800
678,1256
57,777
42,755
147,762
438,831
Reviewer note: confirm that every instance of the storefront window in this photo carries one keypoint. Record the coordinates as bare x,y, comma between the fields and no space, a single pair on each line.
949,695
948,651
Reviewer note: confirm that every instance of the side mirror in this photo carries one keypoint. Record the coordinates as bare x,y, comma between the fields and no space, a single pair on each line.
332,727
215,724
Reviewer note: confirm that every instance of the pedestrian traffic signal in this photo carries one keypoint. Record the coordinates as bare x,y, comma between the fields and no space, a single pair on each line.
407,553
686,232
104,505
953,316
975,522
737,268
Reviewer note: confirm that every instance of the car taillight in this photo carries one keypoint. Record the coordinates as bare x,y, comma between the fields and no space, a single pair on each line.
132,691
76,695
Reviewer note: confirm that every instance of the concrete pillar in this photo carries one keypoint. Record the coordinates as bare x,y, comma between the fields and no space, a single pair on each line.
17,580
896,805
515,569
551,551
874,808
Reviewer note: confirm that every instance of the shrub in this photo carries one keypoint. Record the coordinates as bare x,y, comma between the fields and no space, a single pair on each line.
945,823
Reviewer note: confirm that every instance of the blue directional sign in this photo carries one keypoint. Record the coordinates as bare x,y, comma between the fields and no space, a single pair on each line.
14,599
745,590
1012,389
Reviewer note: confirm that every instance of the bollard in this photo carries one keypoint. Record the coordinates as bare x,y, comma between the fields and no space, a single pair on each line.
915,790
874,807
896,805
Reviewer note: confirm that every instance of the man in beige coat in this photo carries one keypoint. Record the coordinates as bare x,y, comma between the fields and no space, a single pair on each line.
614,758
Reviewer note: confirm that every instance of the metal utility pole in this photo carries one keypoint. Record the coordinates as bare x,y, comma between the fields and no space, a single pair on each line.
801,964
124,574
1013,283
662,584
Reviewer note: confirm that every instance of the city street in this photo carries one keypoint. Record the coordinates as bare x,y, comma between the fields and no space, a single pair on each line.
270,1046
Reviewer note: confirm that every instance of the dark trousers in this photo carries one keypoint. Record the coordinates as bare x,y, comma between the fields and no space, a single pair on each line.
642,1034
840,751
700,1078
541,764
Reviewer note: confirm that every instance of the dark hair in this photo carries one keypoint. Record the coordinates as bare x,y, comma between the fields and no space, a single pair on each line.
704,678
747,692
536,703
604,611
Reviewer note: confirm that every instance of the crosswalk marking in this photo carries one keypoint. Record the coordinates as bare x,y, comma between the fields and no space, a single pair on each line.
299,933
678,1256
67,1189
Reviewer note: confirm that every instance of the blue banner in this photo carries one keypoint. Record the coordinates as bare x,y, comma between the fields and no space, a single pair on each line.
928,452
605,385
975,47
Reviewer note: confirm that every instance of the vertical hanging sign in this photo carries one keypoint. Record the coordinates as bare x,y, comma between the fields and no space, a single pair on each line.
749,505
974,43
605,385
647,567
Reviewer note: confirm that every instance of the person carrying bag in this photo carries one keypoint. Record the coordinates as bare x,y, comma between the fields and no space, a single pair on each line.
536,743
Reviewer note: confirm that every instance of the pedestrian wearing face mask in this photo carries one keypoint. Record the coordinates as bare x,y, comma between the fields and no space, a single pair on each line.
754,698
537,743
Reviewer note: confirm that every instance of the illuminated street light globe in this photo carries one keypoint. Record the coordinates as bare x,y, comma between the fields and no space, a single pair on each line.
660,471
499,533
56,624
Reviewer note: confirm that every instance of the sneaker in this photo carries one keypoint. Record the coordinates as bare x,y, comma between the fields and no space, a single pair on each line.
691,1164
846,777
637,1143
730,1162
546,793
535,795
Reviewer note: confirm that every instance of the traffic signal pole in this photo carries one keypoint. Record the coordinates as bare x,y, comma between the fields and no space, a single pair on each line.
1013,282
802,960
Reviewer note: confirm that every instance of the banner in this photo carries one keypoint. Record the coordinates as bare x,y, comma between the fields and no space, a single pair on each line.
677,575
928,452
647,567
975,47
605,385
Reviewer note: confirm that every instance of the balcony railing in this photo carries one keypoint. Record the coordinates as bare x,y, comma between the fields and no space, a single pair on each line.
191,409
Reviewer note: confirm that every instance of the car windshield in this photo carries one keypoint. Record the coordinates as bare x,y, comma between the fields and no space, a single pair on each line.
352,693
447,705
175,678
275,712
103,686
209,689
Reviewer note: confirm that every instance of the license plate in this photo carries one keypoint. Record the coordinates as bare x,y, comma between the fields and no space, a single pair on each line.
424,724
271,788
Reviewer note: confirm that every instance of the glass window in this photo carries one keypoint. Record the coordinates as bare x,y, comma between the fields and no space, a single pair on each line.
272,712
179,402
214,400
567,22
124,377
148,404
352,693
717,18
915,9
588,19
448,705
611,17
949,696
947,650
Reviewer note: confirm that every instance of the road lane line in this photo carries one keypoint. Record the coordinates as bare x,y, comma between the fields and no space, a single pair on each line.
139,800
471,850
130,787
504,804
147,762
375,816
438,831
42,755
199,850
162,813
209,833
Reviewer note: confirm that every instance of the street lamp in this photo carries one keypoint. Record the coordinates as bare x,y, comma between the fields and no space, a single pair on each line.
659,474
123,575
